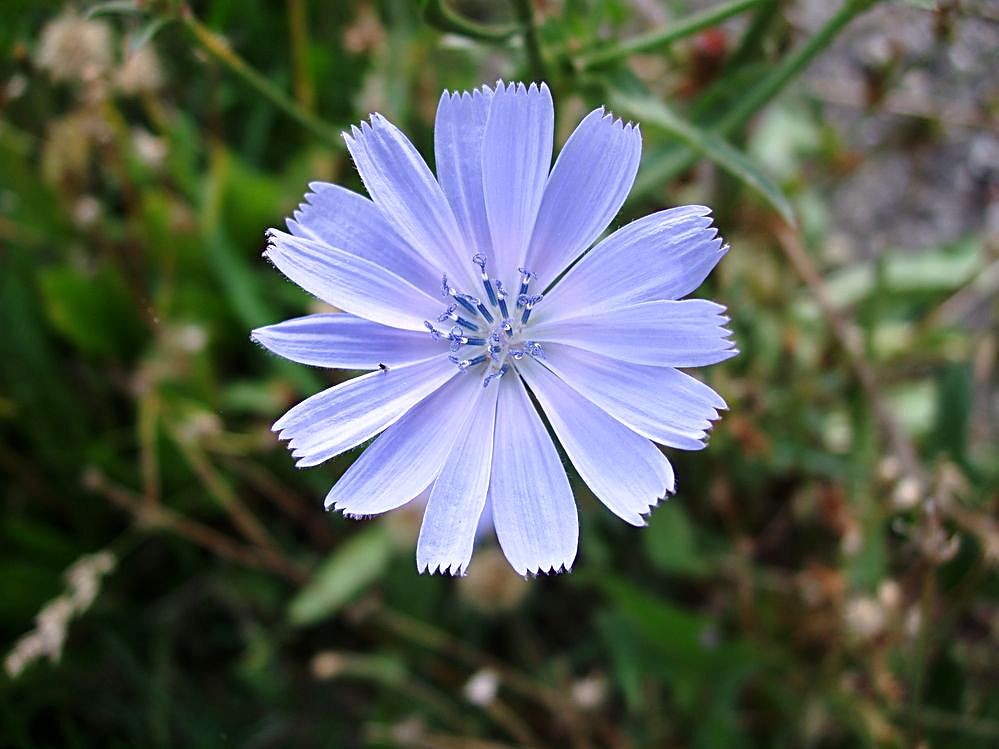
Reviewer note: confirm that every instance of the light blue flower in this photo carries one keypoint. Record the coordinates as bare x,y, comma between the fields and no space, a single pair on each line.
441,284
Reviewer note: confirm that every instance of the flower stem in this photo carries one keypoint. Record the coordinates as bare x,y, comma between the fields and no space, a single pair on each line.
298,25
218,48
667,34
535,58
791,66
436,13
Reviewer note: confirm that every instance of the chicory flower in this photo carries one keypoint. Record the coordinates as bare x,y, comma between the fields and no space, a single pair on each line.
464,292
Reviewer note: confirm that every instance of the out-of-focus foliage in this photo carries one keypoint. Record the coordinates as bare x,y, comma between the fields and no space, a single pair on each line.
825,575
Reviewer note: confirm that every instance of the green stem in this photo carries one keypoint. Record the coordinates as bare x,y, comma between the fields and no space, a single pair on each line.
298,26
751,42
678,159
535,58
940,720
436,13
218,48
790,67
668,34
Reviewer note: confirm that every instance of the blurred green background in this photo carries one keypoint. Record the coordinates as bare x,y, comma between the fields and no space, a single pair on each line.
825,575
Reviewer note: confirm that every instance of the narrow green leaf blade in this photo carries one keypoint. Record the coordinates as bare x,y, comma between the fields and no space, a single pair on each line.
146,33
651,111
112,7
349,570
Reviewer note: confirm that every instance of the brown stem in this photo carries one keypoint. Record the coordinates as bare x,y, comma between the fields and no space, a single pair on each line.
845,334
286,500
149,409
159,517
216,486
415,631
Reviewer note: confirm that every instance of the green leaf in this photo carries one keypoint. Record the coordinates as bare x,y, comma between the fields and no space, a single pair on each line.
955,395
112,7
146,33
651,111
669,542
685,640
868,565
94,312
347,572
934,271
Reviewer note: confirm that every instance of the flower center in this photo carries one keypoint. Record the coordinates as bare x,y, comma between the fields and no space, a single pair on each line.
488,332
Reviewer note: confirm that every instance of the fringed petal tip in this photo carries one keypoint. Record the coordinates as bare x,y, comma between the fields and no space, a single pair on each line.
464,96
445,568
353,515
519,88
617,121
655,505
374,122
642,520
281,241
545,568
330,505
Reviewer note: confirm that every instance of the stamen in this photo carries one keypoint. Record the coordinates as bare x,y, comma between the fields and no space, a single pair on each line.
534,349
452,315
484,311
434,333
525,281
495,346
457,334
464,364
529,303
501,299
496,375
466,301
497,343
446,314
480,260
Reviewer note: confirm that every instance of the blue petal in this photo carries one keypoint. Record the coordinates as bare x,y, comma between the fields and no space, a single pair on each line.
587,187
347,414
458,131
458,497
404,460
623,469
343,341
533,509
351,283
688,333
516,157
663,256
404,189
661,403
342,218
